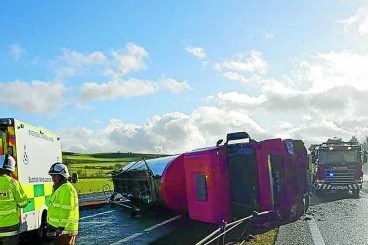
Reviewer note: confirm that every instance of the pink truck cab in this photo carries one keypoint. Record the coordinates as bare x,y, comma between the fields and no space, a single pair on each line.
231,181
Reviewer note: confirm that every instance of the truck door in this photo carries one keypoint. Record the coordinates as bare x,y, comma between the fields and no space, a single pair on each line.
207,186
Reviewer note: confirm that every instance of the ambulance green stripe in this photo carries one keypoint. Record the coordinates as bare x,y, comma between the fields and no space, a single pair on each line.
38,190
30,206
47,200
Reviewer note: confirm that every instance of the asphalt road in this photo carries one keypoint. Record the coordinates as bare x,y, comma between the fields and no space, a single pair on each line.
333,219
342,219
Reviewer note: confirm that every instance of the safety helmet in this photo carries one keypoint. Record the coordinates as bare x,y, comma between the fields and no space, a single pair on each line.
60,169
7,162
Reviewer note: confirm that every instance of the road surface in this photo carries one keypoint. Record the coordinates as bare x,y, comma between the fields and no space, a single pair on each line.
335,218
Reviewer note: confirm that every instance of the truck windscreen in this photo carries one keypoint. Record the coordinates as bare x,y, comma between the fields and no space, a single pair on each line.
339,157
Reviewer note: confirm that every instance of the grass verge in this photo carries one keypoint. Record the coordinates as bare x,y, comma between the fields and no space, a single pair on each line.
267,238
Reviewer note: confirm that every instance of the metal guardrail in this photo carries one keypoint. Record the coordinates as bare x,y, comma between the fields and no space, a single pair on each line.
225,228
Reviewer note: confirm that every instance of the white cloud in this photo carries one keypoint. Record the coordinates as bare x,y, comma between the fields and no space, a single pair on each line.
329,89
239,100
34,97
16,51
117,65
117,89
254,63
124,62
328,70
359,21
235,76
174,86
317,131
72,62
114,68
74,58
197,52
170,133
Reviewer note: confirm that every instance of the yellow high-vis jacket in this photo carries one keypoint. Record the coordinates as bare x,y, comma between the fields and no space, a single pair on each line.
63,210
12,198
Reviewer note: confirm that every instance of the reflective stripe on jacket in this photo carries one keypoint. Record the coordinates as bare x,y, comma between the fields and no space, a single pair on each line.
63,210
12,198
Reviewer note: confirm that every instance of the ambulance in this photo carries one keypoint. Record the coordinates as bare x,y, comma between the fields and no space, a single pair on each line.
35,150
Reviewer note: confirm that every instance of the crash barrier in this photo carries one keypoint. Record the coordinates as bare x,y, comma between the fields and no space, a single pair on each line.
225,228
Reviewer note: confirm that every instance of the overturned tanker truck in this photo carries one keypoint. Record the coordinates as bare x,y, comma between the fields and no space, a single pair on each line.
223,182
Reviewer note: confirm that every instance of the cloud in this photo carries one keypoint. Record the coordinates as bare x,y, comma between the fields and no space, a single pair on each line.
254,63
117,89
73,62
239,100
113,68
359,21
317,131
16,51
174,86
116,65
328,88
170,133
197,52
327,70
34,97
126,61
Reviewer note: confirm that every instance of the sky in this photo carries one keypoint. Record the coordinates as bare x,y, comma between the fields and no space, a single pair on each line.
173,76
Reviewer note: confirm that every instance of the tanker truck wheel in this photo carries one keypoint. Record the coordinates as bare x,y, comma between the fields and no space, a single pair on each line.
355,193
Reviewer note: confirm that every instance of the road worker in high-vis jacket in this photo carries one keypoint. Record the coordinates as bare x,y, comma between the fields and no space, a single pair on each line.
63,210
12,198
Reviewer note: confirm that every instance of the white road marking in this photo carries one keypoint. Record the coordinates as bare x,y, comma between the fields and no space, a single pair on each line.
94,215
127,239
133,236
316,235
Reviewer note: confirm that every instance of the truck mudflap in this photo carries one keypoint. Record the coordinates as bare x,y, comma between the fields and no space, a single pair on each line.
338,187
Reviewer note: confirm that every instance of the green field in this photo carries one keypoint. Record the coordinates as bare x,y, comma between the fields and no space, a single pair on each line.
94,170
89,186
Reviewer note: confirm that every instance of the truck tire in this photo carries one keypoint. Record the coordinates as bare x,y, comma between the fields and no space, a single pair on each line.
355,193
